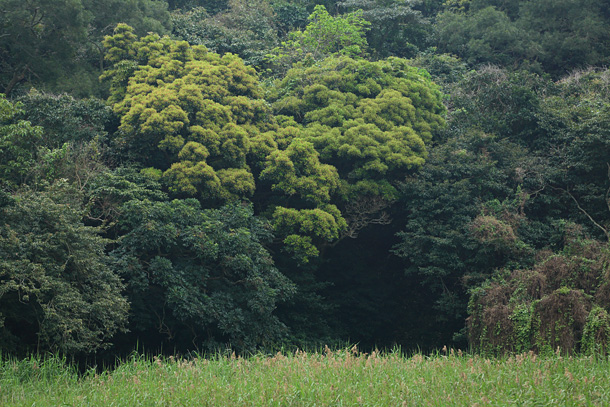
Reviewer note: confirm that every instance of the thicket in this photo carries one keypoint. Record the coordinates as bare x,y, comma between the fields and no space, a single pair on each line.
201,174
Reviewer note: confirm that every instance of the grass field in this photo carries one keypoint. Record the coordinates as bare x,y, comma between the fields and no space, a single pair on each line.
342,378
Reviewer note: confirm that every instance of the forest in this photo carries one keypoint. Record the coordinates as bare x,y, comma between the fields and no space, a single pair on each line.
195,175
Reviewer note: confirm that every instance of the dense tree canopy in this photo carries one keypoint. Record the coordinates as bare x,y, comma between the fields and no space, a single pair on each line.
246,28
262,173
51,43
18,139
38,39
57,290
188,112
397,28
323,36
371,120
200,277
550,36
364,125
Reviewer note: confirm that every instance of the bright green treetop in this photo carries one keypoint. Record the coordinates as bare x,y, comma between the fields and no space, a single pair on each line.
349,130
187,111
325,35
370,120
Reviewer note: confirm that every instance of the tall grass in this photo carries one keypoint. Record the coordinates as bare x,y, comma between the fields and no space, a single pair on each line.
342,378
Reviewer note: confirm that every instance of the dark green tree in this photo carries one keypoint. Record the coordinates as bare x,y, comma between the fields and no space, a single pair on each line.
446,244
66,119
290,15
211,6
200,277
500,102
110,189
56,45
575,115
397,27
479,202
246,29
39,41
567,34
444,69
485,36
143,15
57,290
544,36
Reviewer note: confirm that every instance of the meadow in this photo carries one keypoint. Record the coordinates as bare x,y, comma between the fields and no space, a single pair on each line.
342,378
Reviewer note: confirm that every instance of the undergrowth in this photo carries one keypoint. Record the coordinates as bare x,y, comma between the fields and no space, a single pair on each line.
327,378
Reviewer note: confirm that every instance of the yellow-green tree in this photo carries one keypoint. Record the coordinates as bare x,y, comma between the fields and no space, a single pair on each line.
191,113
369,121
325,167
199,120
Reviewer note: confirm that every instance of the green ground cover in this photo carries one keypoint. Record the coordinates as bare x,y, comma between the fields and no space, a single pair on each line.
342,378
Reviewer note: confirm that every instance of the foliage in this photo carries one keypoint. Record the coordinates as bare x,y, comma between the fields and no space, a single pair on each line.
57,291
18,140
290,15
246,29
199,277
101,17
338,143
570,34
553,305
297,174
370,121
187,112
71,143
486,36
576,115
77,163
143,15
550,36
66,119
212,6
397,27
297,171
596,333
496,101
55,44
444,69
478,203
109,190
40,39
324,36
441,242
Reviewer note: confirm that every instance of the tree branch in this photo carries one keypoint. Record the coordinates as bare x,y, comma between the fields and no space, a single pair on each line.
608,190
363,212
580,208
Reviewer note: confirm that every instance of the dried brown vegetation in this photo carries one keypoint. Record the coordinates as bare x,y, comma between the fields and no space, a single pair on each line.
548,307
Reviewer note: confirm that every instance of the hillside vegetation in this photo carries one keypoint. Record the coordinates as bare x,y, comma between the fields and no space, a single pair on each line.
194,175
